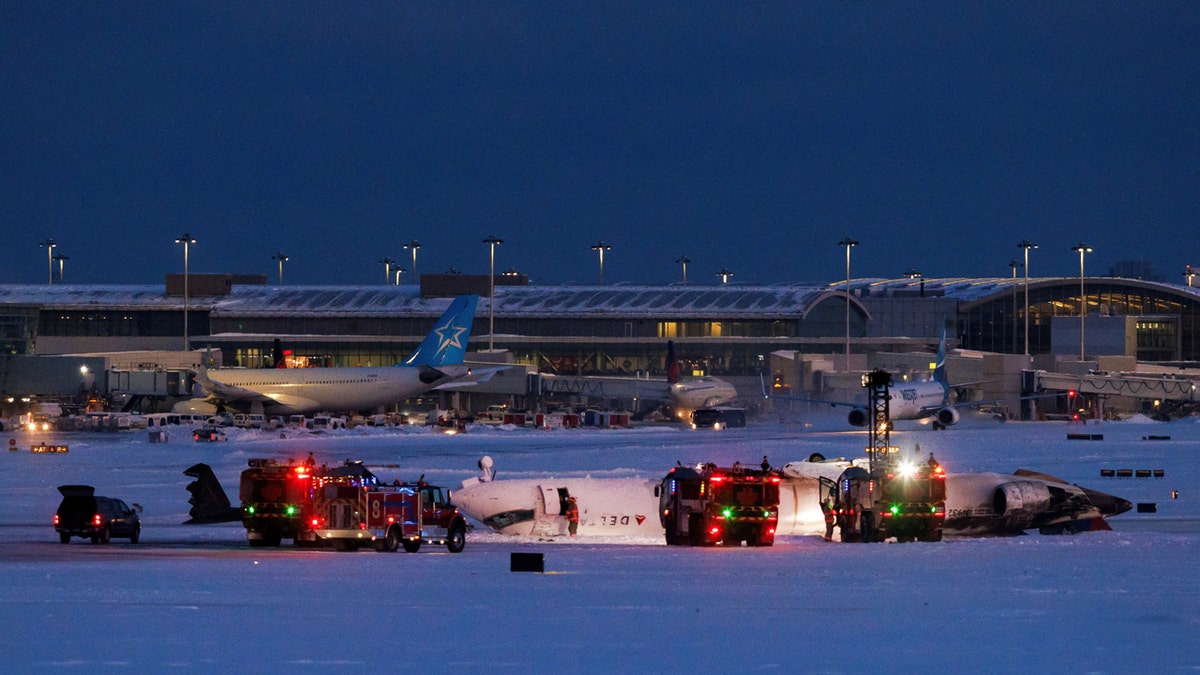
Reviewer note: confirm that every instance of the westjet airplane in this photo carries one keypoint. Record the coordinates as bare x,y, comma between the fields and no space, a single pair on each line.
436,363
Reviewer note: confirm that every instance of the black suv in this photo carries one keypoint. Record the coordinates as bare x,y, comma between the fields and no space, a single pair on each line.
83,514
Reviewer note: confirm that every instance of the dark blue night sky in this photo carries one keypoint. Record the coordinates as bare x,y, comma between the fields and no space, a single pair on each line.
750,136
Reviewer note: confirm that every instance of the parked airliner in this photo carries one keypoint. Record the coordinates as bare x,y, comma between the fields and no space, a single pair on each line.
436,363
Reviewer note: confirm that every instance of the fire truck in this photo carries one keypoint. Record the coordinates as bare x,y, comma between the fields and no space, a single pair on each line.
277,502
350,515
706,505
894,498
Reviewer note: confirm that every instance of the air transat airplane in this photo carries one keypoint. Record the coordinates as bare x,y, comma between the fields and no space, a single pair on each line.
436,363
977,504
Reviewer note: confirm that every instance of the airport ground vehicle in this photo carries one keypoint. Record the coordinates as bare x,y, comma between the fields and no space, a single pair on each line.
894,498
277,502
351,513
718,418
82,514
208,434
705,505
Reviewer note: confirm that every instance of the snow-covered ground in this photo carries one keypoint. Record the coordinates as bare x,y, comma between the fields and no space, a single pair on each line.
197,597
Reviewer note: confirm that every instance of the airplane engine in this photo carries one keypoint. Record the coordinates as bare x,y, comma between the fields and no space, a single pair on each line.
1021,501
858,417
947,416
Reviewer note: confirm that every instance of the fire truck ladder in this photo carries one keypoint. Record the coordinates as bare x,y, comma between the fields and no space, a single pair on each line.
877,383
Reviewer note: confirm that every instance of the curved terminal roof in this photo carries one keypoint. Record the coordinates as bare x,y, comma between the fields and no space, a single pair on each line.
985,289
727,301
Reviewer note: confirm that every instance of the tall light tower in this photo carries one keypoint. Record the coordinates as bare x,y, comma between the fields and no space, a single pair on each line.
282,259
1014,264
387,269
1188,273
1026,245
49,245
61,259
683,260
413,246
601,247
849,244
187,241
724,274
1082,248
399,271
492,242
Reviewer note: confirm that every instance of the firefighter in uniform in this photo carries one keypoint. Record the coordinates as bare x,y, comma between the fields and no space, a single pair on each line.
572,514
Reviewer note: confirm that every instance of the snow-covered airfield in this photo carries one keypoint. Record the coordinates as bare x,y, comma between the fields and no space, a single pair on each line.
199,598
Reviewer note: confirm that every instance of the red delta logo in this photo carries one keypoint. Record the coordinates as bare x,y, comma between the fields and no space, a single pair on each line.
639,519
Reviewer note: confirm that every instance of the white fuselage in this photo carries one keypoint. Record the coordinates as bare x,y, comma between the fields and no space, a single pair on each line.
914,400
701,392
301,391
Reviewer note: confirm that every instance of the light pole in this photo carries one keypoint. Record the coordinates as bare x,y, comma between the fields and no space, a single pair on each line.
61,259
1026,244
1082,248
49,246
387,269
849,244
724,274
187,241
414,245
601,247
492,242
683,260
1014,264
281,258
399,271
1188,273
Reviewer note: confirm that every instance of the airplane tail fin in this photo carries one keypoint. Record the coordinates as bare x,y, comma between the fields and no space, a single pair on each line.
673,375
939,366
209,503
446,344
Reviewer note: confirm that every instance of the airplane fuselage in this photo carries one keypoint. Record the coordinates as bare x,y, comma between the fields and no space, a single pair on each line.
913,400
301,391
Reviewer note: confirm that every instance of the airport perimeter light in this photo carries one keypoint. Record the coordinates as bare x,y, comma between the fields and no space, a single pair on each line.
387,269
61,259
187,241
849,244
601,247
1082,248
1026,244
413,246
683,260
1015,265
282,259
493,242
49,245
724,274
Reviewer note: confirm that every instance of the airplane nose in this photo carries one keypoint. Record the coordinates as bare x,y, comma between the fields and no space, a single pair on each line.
1107,504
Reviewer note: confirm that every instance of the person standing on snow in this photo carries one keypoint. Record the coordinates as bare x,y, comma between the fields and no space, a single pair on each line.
572,514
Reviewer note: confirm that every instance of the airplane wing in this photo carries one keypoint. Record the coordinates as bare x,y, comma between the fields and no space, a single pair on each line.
228,392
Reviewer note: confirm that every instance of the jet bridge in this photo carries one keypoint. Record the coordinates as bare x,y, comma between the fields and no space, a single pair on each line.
1175,388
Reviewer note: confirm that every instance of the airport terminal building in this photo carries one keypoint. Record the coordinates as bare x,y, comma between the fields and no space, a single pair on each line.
724,330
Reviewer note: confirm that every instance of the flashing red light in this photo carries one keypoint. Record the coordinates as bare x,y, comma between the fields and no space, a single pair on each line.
1071,393
774,479
56,519
717,479
96,519
362,526
316,522
715,530
391,519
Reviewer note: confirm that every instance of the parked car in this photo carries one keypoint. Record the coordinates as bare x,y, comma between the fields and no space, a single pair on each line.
83,514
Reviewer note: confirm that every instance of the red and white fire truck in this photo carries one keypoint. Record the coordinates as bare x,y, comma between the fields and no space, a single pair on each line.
705,505
386,517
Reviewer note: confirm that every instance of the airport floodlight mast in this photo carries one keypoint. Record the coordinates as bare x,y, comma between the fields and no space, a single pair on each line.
187,240
413,246
1081,248
282,259
1015,265
601,247
61,259
683,260
49,245
492,242
912,274
387,269
849,244
1188,273
1026,245
399,271
724,274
